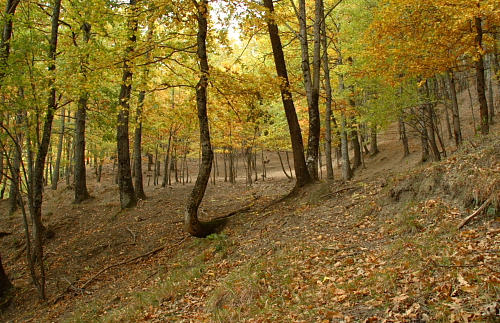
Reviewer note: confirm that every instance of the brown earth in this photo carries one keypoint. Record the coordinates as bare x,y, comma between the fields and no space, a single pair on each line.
320,257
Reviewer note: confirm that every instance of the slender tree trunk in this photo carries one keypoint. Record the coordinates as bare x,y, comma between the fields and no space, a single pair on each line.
283,166
311,84
373,140
191,221
346,165
424,136
55,175
139,184
479,65
431,127
356,147
128,197
404,137
301,172
167,160
10,9
491,104
37,199
328,113
16,164
81,192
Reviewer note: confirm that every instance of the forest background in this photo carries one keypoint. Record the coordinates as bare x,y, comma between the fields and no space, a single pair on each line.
193,79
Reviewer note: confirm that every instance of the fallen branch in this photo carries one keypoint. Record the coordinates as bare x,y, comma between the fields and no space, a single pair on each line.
132,233
473,215
230,214
339,191
130,260
76,289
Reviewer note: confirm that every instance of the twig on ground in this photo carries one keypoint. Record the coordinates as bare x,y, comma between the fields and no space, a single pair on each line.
230,214
132,233
76,289
340,191
473,215
130,260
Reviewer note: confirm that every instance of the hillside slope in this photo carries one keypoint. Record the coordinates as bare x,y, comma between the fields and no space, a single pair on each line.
379,248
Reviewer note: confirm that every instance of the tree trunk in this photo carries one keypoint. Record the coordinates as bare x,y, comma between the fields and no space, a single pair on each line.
139,184
15,167
81,192
356,147
346,165
5,284
57,171
10,9
491,104
431,127
373,140
329,99
191,221
37,196
404,138
167,160
479,65
301,172
127,195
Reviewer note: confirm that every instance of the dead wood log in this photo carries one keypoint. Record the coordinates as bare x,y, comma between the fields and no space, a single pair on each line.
473,215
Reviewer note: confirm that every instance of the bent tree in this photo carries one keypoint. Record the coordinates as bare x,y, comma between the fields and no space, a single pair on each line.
301,171
191,221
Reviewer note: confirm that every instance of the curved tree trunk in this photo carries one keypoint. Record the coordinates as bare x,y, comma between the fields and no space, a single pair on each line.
301,172
191,222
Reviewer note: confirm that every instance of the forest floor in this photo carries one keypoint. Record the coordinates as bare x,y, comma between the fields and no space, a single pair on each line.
383,247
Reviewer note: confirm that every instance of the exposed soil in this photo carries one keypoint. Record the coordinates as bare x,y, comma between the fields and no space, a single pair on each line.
304,259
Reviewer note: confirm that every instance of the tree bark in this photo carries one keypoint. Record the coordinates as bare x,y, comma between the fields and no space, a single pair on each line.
373,140
37,196
166,169
81,192
311,84
10,9
15,168
192,223
57,171
139,186
479,65
301,171
403,137
328,113
127,194
346,165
